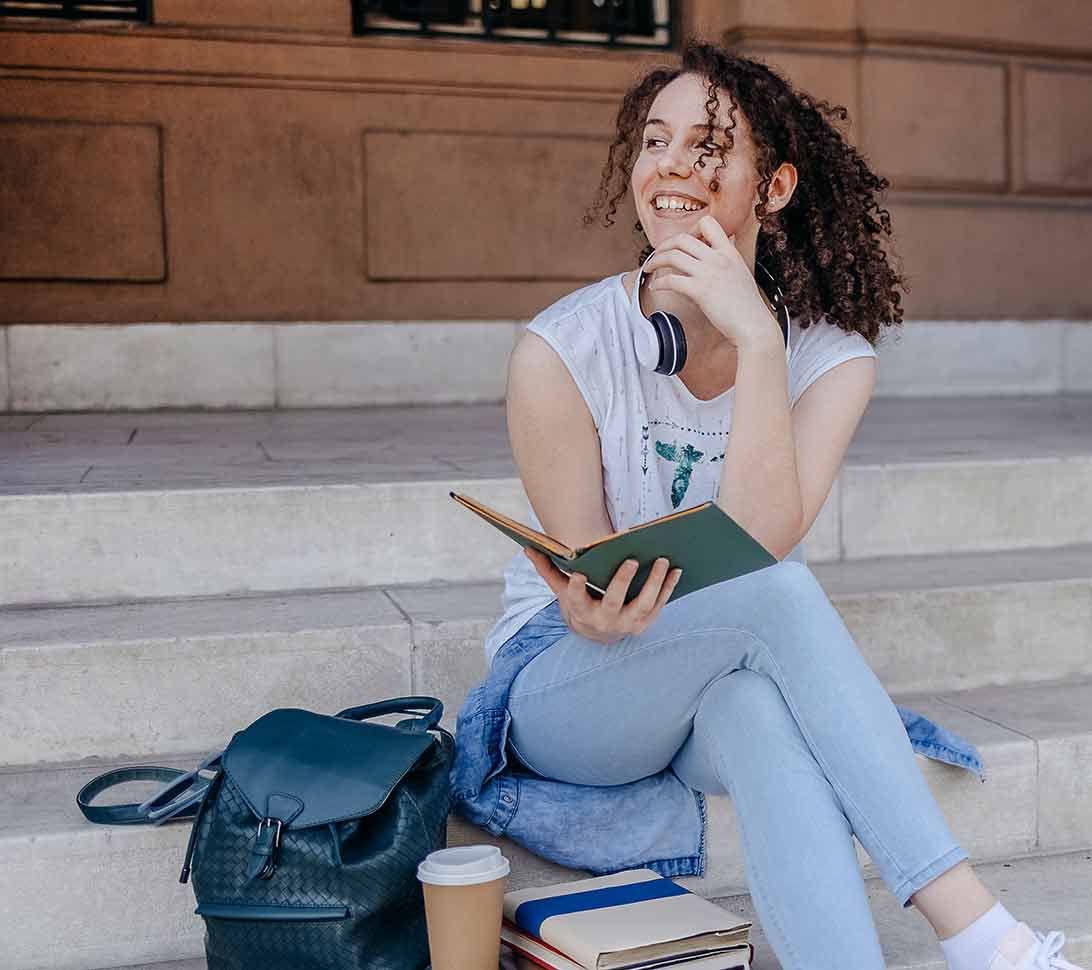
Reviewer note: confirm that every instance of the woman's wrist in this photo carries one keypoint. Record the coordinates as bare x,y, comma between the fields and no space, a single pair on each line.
763,337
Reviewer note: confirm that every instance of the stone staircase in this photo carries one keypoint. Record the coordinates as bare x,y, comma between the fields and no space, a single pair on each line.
149,560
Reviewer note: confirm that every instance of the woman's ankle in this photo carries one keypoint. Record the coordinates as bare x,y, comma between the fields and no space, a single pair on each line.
954,900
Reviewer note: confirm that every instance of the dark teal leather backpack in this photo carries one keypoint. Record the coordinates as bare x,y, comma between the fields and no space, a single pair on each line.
307,836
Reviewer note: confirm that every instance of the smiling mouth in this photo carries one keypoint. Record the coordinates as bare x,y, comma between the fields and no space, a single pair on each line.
675,213
678,210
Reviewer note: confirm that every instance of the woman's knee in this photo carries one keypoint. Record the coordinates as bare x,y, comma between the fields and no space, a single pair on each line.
788,578
745,703
743,720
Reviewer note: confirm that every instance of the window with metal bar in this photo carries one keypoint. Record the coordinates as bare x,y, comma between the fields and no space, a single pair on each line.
603,23
139,10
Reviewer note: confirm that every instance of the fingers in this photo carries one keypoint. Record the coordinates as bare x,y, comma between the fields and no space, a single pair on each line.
571,590
615,597
668,588
646,599
714,232
555,578
611,611
579,597
686,241
676,259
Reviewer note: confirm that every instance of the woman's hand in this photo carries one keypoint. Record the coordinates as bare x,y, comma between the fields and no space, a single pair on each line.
609,619
714,276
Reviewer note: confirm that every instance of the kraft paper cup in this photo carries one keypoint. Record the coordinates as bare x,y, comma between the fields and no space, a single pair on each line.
464,900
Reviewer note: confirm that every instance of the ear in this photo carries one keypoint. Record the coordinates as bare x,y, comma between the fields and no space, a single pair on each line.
783,183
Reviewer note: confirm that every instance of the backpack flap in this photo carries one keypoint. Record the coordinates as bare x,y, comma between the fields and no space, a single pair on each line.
308,769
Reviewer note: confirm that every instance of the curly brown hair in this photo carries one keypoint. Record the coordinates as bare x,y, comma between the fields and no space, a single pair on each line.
824,245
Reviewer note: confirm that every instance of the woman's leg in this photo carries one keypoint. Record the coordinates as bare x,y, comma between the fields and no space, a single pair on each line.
801,863
588,713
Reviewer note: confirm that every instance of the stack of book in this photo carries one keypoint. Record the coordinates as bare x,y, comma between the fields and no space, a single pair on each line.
631,920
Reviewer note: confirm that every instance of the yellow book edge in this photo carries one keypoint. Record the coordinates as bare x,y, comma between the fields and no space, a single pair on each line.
556,547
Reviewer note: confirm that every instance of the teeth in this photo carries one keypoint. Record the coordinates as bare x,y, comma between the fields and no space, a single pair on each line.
674,202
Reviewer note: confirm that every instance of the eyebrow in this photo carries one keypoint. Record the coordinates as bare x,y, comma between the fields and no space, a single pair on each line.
660,121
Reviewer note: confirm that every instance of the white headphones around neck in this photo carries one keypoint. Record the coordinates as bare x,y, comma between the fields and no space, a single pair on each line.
660,341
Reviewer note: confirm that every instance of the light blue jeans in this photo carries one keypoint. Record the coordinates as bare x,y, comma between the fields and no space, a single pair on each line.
754,688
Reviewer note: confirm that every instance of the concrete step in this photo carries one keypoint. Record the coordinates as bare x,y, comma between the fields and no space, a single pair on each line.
181,675
117,506
1036,743
1046,892
50,367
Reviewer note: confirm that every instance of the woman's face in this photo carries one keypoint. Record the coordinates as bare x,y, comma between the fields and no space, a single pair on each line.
670,147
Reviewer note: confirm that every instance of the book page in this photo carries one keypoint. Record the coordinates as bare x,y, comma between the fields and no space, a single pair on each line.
559,548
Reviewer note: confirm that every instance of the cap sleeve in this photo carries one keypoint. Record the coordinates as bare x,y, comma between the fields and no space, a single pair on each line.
575,337
819,348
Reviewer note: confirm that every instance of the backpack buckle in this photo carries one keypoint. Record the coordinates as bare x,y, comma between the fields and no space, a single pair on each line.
267,844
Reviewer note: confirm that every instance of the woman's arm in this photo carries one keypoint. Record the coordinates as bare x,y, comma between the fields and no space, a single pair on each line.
759,485
555,444
779,465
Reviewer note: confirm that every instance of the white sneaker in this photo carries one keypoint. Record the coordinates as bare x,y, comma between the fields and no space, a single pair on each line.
1022,948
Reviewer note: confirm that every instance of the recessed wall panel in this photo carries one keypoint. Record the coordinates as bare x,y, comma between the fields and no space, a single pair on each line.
80,201
933,123
482,206
1058,129
1063,24
319,16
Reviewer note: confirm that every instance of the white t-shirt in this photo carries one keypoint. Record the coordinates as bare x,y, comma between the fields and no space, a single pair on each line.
662,448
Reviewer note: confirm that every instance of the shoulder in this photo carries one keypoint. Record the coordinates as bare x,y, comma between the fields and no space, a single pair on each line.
589,303
821,337
576,327
817,348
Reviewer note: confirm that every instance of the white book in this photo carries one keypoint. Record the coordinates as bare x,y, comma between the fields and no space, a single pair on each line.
530,953
630,920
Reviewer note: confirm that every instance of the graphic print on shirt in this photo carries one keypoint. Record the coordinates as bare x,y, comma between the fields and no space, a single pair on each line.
684,459
682,456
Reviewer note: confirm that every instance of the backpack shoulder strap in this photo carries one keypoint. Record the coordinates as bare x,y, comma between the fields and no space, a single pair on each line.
178,799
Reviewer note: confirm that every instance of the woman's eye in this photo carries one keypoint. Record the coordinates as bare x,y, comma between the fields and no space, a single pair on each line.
711,145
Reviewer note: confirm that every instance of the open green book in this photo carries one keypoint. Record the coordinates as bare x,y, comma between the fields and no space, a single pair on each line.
705,542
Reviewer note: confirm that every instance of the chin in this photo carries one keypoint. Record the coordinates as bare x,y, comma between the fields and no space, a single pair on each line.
657,229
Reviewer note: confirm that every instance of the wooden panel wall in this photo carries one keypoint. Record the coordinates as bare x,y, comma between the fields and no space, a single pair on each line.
251,160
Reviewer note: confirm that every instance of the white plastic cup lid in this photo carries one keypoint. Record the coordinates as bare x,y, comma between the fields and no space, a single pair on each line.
463,865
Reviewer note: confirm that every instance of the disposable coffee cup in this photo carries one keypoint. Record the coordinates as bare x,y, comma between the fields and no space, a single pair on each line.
464,901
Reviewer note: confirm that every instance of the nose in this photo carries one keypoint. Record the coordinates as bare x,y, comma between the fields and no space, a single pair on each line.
673,160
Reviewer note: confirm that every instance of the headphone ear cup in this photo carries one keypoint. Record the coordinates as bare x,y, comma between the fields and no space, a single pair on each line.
680,336
672,340
647,342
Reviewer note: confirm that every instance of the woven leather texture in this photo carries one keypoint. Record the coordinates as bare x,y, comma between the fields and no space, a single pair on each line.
368,865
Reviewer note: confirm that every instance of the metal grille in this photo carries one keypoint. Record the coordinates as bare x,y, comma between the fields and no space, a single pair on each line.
602,23
78,9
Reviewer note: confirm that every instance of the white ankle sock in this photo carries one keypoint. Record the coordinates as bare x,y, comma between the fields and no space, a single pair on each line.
972,947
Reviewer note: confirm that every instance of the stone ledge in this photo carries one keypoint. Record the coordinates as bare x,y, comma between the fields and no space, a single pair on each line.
87,367
923,624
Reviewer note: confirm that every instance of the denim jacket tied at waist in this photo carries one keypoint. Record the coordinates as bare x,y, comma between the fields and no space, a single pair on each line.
657,822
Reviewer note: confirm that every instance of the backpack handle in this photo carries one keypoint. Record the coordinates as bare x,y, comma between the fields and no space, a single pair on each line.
401,705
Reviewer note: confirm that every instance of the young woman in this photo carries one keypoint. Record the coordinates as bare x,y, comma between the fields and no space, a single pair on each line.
753,687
